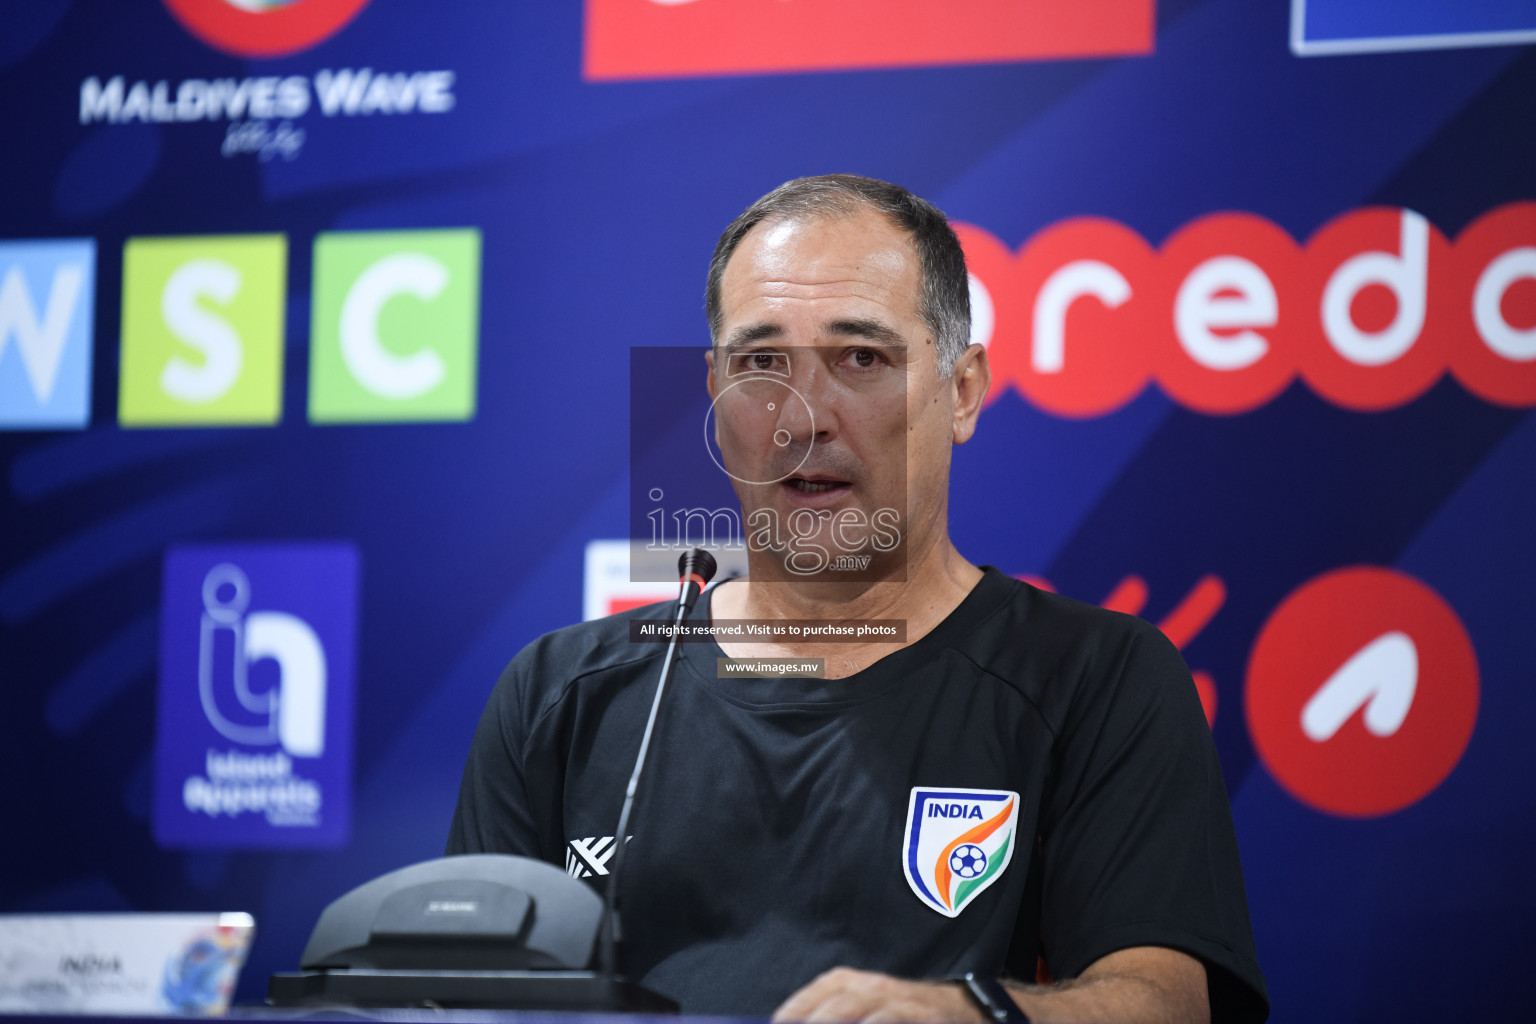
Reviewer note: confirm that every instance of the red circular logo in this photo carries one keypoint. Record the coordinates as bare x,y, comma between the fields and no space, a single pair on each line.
264,28
1362,692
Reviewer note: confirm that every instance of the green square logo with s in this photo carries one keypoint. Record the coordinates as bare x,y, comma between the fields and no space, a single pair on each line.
202,332
395,328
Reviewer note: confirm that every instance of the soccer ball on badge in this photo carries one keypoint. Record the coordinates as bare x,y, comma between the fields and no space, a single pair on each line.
968,861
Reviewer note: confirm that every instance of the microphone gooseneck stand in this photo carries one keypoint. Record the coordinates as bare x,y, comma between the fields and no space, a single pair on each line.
695,568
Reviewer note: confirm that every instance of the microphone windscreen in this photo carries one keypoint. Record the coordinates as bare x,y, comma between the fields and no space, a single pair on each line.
696,562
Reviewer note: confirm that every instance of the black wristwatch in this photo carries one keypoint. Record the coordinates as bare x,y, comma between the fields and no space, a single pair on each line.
993,999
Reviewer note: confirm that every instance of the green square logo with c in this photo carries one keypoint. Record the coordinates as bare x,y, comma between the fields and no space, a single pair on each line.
202,335
395,327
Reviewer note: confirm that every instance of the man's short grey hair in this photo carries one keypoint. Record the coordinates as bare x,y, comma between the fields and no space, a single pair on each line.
944,305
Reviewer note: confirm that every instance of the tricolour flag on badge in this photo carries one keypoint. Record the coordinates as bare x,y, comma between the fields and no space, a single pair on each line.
959,841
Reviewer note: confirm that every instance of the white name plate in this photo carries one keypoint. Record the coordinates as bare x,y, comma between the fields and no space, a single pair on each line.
121,963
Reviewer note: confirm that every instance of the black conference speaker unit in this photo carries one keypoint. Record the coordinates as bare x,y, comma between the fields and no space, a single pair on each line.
486,931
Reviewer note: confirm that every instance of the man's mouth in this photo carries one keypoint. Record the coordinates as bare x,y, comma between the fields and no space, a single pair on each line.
822,488
815,486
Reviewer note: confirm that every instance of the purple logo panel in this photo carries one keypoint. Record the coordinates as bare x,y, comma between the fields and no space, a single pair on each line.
253,743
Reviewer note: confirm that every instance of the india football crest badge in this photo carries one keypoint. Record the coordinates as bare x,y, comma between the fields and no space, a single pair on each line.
959,841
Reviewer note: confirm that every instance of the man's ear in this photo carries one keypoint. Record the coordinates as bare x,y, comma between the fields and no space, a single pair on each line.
709,357
969,383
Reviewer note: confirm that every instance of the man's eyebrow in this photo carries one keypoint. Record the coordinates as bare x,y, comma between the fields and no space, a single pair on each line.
851,327
748,334
862,327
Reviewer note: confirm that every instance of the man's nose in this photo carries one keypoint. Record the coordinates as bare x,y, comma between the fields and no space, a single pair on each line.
810,416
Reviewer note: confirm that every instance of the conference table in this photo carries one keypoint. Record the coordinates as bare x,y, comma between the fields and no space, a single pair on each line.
375,1015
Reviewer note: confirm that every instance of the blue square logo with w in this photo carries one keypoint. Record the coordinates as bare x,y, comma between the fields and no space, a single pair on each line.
253,740
47,310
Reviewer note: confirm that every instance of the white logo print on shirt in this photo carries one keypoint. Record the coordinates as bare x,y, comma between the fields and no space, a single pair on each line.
587,857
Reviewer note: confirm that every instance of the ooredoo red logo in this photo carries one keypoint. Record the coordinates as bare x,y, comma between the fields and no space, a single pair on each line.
264,28
659,38
1370,313
1362,692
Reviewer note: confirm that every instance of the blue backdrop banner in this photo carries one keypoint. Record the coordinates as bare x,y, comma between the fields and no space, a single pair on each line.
321,324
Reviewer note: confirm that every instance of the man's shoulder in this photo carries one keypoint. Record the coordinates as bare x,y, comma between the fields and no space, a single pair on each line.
549,665
1021,616
1050,647
597,643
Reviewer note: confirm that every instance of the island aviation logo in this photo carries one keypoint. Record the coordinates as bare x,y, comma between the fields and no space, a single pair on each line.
666,38
264,28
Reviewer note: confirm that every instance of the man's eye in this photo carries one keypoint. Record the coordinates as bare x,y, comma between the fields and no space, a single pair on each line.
865,358
761,362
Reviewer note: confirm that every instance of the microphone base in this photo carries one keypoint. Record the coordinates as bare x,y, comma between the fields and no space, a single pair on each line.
486,990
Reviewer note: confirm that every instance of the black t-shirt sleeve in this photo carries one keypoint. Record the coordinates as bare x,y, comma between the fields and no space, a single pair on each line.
493,814
1137,842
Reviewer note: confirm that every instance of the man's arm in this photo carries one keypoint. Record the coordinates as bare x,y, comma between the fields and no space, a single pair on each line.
493,814
1141,985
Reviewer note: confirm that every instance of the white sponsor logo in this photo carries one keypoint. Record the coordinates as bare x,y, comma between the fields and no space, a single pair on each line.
249,104
375,367
587,857
40,343
294,710
290,714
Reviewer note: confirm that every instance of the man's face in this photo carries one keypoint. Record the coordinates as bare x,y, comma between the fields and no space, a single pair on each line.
828,403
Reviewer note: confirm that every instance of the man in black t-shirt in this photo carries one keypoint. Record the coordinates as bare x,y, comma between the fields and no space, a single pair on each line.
1024,788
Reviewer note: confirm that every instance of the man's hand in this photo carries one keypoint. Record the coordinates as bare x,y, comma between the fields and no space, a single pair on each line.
844,994
1141,985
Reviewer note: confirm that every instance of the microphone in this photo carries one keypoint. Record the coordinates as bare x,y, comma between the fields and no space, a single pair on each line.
695,568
